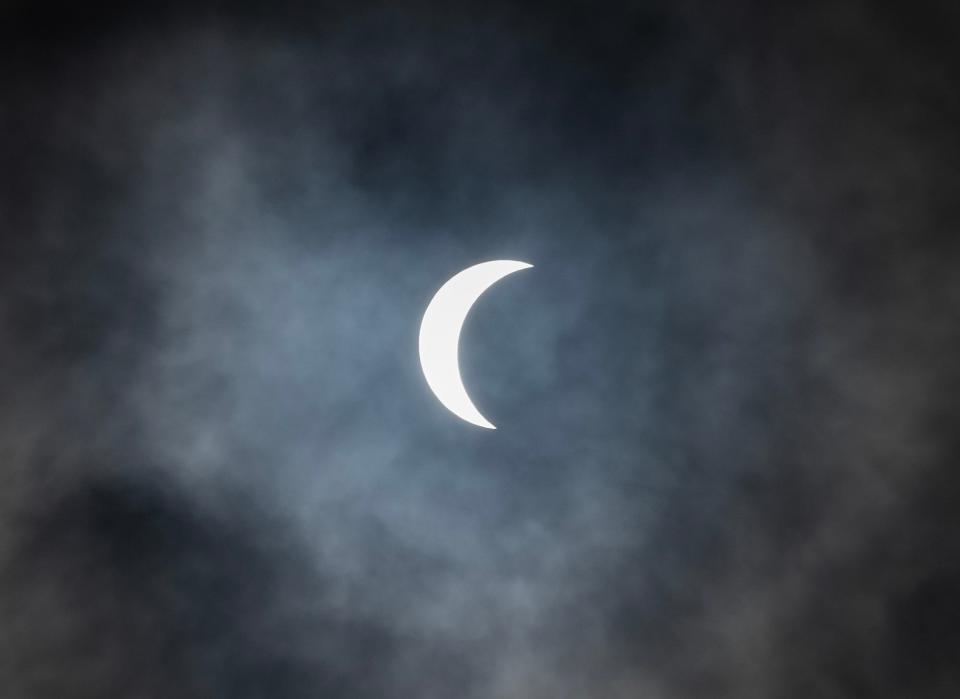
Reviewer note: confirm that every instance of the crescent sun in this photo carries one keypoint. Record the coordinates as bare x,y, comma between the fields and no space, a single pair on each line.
440,334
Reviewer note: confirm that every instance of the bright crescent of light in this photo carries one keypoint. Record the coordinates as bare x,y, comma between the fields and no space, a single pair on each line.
440,334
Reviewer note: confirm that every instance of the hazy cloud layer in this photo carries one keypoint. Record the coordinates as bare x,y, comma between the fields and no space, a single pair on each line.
726,393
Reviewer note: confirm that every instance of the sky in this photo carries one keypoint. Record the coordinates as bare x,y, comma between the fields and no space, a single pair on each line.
726,454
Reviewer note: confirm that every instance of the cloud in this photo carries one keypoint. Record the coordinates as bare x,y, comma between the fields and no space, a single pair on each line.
724,392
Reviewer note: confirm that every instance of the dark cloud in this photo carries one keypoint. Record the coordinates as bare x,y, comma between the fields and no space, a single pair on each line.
725,393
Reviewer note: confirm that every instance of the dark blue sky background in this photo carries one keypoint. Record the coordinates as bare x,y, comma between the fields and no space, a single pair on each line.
725,462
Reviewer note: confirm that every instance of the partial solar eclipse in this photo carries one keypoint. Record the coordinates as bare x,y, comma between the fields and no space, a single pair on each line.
440,334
